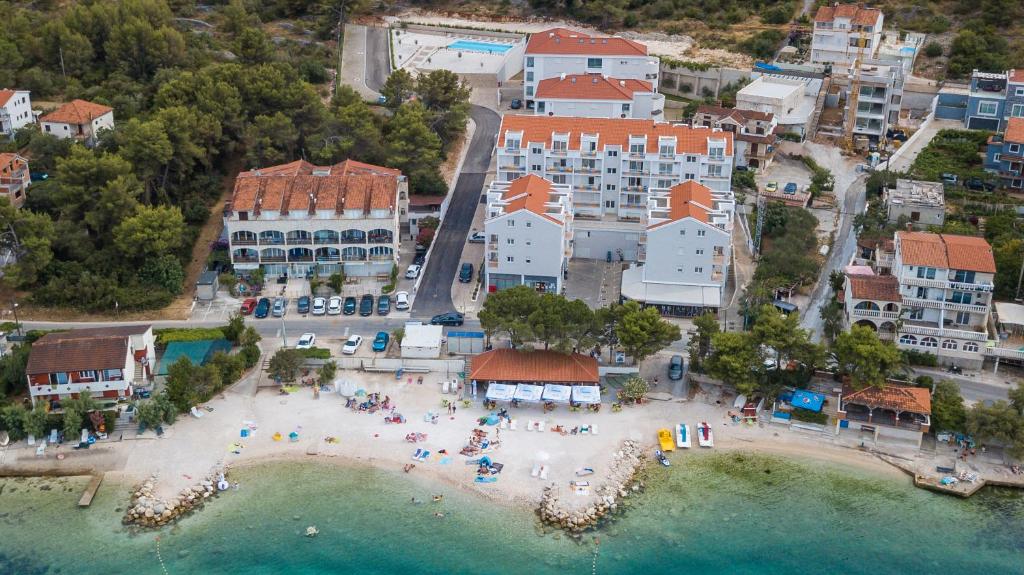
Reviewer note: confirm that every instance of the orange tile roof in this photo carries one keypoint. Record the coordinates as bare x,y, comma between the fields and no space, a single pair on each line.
534,366
76,112
303,187
855,13
895,397
946,251
1016,75
1014,130
590,87
611,132
5,96
529,193
688,200
563,41
735,113
876,288
7,159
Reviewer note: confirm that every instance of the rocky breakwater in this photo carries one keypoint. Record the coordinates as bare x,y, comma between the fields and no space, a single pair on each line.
622,480
147,510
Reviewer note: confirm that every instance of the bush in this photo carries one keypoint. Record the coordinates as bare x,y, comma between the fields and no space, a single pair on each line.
763,44
167,335
933,50
250,355
921,358
809,416
634,390
315,353
109,420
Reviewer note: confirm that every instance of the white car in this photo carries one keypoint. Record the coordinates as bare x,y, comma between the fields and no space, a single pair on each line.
413,272
402,300
319,306
334,305
352,344
306,341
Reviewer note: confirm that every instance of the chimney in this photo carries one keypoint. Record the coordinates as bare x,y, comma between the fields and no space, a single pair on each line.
622,83
561,76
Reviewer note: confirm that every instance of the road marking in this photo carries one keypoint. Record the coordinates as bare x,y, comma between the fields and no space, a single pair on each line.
277,333
346,331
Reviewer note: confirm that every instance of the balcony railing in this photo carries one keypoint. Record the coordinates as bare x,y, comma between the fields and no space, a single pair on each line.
353,258
272,259
942,304
328,258
352,240
246,259
299,241
379,239
945,284
492,264
381,257
588,153
308,258
271,241
558,168
936,332
875,313
246,242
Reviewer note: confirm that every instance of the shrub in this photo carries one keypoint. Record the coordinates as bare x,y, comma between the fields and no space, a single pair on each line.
250,354
810,416
763,44
922,358
933,50
314,353
634,390
167,335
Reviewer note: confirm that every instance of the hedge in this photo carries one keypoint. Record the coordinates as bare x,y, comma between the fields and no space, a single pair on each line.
810,416
165,336
315,353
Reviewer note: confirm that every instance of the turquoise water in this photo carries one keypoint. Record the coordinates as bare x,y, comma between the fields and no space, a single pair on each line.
471,46
708,513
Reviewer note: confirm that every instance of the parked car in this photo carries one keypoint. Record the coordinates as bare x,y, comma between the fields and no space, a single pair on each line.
334,305
280,307
675,368
413,271
476,238
402,300
350,305
771,187
790,188
450,318
466,273
516,104
380,343
419,259
951,179
977,184
38,176
352,344
302,305
366,305
319,306
741,168
306,341
248,306
384,305
262,308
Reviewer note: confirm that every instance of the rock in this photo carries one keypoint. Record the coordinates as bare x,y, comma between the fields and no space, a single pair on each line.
149,512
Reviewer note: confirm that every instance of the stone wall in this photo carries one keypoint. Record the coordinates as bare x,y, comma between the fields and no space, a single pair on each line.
147,510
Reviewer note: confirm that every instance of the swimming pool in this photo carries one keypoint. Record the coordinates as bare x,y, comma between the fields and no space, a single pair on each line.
471,46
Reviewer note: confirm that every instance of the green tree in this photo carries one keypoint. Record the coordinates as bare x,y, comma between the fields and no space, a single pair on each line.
72,421
189,385
327,371
285,364
234,328
33,248
782,333
832,318
336,282
164,272
446,98
634,389
147,147
998,422
253,46
12,370
642,332
735,359
979,48
399,87
948,412
34,421
351,131
865,358
139,48
249,336
411,146
561,323
153,231
1017,398
397,335
836,281
700,344
114,202
509,311
270,140
12,419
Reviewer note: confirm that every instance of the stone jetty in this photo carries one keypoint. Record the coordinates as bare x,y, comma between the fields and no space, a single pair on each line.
147,510
622,480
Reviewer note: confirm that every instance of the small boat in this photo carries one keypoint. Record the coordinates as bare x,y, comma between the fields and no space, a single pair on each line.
661,458
312,531
665,440
683,436
704,436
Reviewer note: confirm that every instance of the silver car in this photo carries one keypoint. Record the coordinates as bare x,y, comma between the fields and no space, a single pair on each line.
280,307
319,306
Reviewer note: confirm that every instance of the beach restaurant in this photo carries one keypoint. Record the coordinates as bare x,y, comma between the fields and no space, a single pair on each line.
536,376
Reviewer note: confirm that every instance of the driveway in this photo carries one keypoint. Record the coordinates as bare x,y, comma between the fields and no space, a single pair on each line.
378,63
364,61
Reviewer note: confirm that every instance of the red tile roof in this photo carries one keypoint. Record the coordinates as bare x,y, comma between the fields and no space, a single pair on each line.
590,87
5,96
875,288
946,251
530,193
563,41
7,161
302,186
688,200
735,113
1016,76
895,397
76,112
534,366
59,355
611,132
856,14
1014,130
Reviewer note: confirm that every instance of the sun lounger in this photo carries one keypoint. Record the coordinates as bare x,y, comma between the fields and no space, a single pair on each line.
536,470
512,425
195,412
543,471
529,425
444,386
503,424
584,471
420,455
593,430
542,426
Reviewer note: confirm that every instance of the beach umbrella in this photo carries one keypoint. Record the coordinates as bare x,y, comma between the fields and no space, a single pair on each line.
360,392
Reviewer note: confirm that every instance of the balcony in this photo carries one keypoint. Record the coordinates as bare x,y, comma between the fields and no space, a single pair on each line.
246,259
875,313
588,170
307,258
512,168
300,241
936,332
246,242
492,264
588,153
557,168
557,152
353,258
272,259
946,305
328,258
718,259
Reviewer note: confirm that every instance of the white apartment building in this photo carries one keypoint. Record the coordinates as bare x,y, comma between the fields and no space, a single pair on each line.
614,166
837,31
296,217
560,51
78,119
597,96
685,251
529,234
937,301
789,99
879,100
15,111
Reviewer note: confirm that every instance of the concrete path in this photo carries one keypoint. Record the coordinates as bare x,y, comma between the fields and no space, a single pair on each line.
365,60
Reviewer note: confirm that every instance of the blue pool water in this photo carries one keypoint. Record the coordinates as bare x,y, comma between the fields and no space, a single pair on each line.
471,46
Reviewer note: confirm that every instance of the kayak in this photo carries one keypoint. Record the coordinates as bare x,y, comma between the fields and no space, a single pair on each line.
665,440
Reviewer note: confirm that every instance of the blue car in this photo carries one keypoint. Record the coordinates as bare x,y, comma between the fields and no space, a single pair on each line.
380,343
303,304
262,308
790,188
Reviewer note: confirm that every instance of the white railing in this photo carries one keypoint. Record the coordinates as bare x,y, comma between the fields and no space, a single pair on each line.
941,304
876,313
946,284
1005,352
937,332
92,387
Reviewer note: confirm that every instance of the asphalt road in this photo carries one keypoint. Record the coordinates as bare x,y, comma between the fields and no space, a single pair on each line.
434,295
378,61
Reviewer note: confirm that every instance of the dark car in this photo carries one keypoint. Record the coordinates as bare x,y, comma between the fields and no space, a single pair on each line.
262,308
516,104
450,318
366,305
350,305
675,368
384,305
248,306
419,259
38,176
303,304
466,273
977,184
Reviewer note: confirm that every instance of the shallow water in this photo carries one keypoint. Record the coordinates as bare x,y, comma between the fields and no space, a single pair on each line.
708,513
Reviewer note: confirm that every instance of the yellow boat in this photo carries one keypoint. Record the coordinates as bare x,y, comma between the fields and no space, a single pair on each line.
665,439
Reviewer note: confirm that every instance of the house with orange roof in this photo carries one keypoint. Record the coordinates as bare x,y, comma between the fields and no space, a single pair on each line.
14,178
1004,154
15,111
684,252
754,132
598,96
528,234
837,30
893,411
298,218
557,51
78,119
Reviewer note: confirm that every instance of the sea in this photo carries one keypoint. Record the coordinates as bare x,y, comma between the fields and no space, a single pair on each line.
735,513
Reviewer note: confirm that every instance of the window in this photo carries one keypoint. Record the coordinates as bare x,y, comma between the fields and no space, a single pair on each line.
988,108
1017,110
609,187
961,297
593,62
970,346
689,176
949,344
698,270
612,170
701,233
926,272
607,204
540,106
510,223
529,76
916,313
633,199
529,224
664,183
963,276
1018,92
559,145
529,91
613,154
510,241
716,154
700,252
667,150
929,342
536,150
625,108
529,61
962,318
527,260
908,339
535,167
682,232
87,374
510,259
559,179
715,171
997,157
922,293
1014,148
636,149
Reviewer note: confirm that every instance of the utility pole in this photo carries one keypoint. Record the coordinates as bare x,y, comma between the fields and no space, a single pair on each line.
14,308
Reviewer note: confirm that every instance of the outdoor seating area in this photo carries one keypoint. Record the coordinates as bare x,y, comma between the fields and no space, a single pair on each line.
551,395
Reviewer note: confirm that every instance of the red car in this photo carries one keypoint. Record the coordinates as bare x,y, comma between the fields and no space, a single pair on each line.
248,306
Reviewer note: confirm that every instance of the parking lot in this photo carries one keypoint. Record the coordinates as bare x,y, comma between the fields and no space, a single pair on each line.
596,282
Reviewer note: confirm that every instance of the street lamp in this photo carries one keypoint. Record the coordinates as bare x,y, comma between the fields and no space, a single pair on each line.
14,309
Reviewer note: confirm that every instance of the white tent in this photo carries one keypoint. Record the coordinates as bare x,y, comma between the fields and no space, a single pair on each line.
346,388
500,391
586,394
557,393
528,393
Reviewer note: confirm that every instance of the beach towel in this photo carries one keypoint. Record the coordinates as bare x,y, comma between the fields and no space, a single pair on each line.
445,460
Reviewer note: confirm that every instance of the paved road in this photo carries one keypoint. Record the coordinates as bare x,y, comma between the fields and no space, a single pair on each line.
434,295
378,60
